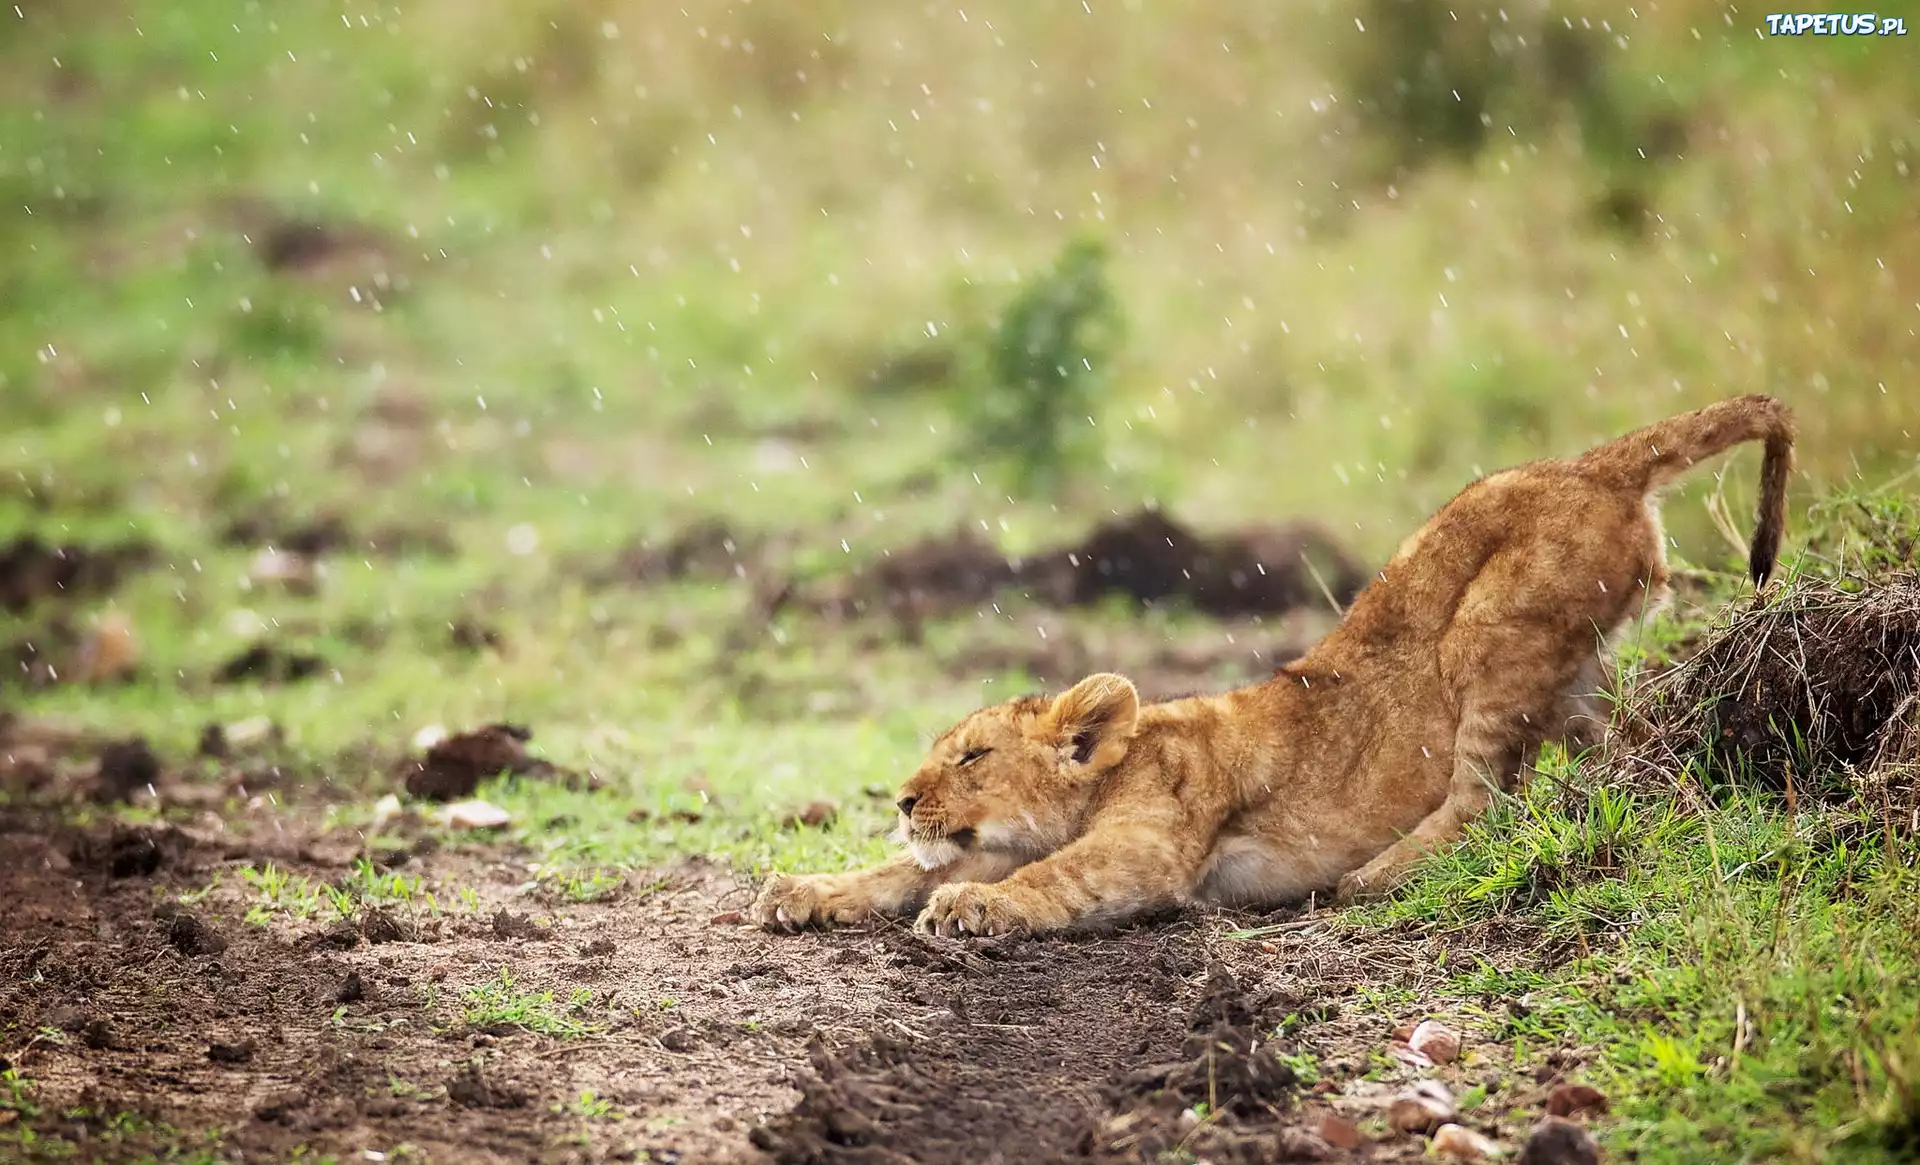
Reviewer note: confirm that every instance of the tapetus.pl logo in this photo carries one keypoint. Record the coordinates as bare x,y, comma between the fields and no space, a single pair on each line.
1835,24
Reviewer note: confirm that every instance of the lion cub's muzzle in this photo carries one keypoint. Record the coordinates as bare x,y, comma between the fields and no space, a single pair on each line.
933,845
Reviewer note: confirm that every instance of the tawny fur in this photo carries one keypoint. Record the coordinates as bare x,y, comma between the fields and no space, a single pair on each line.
1482,638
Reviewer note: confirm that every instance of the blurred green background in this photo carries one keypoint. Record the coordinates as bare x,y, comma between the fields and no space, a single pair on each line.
541,279
1360,251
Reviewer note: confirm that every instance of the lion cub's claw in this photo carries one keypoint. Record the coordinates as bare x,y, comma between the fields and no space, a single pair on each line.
971,908
789,903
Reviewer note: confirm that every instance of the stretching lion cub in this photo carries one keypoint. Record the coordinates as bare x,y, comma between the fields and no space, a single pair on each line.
1476,643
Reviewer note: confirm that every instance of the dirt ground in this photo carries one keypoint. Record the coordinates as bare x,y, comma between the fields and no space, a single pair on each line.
160,1019
266,986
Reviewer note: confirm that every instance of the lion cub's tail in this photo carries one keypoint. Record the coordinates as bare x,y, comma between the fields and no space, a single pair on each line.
1650,458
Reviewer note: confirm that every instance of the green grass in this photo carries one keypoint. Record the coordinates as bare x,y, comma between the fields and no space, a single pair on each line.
1746,979
504,1001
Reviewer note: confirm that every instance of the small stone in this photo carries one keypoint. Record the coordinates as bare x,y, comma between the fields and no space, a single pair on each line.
250,732
1436,1041
728,918
474,815
1301,1145
1557,1141
1463,1144
1405,1054
1422,1108
293,571
1338,1131
1574,1099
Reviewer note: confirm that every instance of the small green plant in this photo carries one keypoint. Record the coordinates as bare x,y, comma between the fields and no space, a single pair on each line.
278,892
16,1094
1305,1067
370,885
588,1105
591,885
1033,382
501,1001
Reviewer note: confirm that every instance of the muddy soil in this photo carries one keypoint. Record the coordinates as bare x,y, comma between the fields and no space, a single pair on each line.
1145,557
32,570
153,991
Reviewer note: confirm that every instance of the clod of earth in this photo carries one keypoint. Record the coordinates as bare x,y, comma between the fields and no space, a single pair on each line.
507,924
126,768
1557,1141
340,936
1823,680
472,635
1301,1145
32,570
1229,1066
128,851
470,1088
1145,556
190,936
268,664
454,767
1150,557
278,1106
222,741
352,989
99,1034
307,537
379,925
237,1052
679,1039
1574,1099
707,549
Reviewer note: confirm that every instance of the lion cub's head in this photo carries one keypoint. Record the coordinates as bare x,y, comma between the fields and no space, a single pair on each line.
1014,778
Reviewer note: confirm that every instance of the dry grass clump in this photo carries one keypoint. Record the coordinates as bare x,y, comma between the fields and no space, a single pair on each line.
1812,691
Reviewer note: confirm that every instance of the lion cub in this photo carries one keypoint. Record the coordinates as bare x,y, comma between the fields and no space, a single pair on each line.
1474,645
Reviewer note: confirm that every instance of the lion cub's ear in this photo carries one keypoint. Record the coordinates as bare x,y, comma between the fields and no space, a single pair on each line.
1093,721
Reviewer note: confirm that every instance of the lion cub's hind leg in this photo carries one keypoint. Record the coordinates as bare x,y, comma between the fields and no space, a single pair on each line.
1517,673
1486,758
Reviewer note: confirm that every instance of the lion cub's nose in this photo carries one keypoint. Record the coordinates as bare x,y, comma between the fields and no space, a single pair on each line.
906,805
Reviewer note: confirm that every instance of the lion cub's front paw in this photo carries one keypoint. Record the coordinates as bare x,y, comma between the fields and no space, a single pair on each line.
789,902
972,908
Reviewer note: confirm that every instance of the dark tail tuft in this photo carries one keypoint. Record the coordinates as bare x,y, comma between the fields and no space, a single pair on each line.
1772,522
